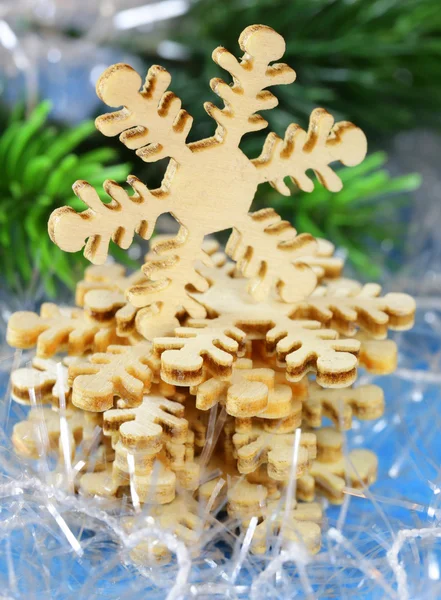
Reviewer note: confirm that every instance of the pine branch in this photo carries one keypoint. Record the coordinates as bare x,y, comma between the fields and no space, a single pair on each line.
40,162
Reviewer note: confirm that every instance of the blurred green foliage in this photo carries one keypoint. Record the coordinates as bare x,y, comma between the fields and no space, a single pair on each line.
39,166
375,62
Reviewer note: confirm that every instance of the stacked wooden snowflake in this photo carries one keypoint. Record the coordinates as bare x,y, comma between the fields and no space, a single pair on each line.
187,385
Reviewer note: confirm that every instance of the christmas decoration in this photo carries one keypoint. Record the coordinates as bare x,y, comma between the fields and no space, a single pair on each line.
192,379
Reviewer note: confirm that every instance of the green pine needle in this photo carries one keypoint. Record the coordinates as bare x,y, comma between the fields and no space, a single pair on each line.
40,164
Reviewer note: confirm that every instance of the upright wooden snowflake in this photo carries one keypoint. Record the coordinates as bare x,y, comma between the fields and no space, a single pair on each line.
210,184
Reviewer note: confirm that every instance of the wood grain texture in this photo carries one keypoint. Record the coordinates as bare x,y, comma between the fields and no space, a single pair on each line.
157,487
377,356
102,293
249,392
42,377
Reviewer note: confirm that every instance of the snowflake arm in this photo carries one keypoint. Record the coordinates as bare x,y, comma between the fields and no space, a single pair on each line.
181,517
298,528
300,151
42,378
377,356
301,347
345,304
170,268
207,343
180,459
156,487
147,425
41,432
247,95
269,252
323,262
301,525
100,223
102,294
102,277
103,306
333,470
257,447
151,122
249,392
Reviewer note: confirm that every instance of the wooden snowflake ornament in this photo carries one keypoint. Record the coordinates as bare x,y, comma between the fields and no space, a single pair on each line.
143,427
122,371
209,184
180,458
365,402
44,379
250,392
244,427
41,433
256,447
56,330
153,435
300,524
345,304
156,487
142,431
181,518
323,262
332,471
377,356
